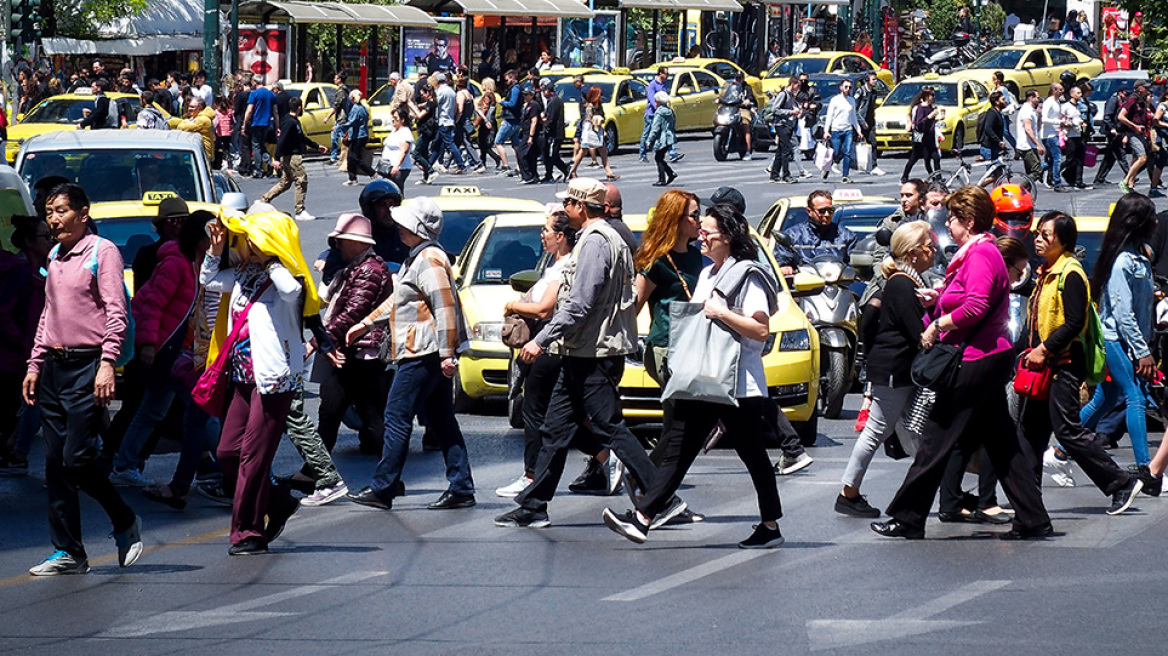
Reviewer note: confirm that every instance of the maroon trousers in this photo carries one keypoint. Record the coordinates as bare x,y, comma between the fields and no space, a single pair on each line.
247,445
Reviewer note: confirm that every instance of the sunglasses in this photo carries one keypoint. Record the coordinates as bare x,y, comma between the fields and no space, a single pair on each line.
275,40
706,234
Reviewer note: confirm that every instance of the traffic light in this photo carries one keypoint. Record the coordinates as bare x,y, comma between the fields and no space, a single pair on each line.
33,20
16,19
25,23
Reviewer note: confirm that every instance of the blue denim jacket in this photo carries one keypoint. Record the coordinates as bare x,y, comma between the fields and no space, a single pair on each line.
1126,307
357,122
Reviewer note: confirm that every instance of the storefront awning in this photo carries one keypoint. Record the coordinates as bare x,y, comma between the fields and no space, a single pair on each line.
678,5
132,47
804,2
332,13
531,8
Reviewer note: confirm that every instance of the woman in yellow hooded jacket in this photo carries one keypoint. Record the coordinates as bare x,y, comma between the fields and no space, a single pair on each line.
1058,318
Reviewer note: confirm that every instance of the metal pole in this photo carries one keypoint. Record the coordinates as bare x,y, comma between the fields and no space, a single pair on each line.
211,40
233,49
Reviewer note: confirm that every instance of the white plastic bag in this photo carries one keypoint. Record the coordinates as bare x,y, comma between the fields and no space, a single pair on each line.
805,141
823,157
864,157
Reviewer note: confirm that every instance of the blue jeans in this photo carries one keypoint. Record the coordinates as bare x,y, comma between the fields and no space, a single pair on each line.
420,388
1054,157
335,145
841,143
1125,387
155,404
446,142
508,134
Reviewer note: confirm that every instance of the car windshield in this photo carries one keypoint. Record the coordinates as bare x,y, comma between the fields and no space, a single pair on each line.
797,66
508,251
998,59
127,233
860,218
72,110
382,96
457,226
118,174
903,94
570,94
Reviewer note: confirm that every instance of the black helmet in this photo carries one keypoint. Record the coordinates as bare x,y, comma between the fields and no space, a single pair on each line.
1067,79
377,191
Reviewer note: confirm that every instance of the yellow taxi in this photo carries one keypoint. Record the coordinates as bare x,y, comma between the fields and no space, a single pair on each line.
790,355
380,120
1030,67
317,100
481,271
962,99
64,112
776,78
723,68
623,98
557,73
694,92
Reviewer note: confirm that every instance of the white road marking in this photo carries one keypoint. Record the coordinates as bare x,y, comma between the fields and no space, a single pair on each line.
836,634
172,621
689,576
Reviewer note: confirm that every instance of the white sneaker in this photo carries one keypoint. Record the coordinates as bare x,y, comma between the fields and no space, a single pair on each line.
440,168
324,495
613,470
305,216
1060,468
130,478
877,172
60,563
835,168
748,156
787,466
512,490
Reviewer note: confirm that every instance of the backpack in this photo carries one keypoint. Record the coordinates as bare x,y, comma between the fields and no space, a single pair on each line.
127,353
1094,355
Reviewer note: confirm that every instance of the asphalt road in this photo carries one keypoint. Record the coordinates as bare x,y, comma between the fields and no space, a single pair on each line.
348,579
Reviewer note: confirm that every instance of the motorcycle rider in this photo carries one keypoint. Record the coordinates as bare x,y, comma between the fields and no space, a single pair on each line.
785,116
866,111
819,235
738,94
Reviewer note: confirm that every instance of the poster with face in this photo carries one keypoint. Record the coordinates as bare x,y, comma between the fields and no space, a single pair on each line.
589,41
432,49
264,51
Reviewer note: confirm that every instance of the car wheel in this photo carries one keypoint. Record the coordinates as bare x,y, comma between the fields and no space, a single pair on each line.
611,140
959,138
1014,91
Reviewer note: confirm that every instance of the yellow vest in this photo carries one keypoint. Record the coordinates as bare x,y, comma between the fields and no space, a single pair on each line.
1046,303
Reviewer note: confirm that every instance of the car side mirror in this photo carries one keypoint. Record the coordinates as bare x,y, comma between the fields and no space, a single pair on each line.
782,239
805,284
19,117
970,101
879,102
684,91
524,280
1028,65
312,107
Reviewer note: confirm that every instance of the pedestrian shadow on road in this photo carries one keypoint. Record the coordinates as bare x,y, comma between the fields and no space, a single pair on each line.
147,568
325,548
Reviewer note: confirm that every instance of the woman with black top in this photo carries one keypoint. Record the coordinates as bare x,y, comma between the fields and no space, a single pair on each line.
426,123
1057,319
465,124
485,121
923,117
896,342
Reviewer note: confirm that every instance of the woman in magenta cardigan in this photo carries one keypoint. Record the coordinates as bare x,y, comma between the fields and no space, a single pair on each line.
971,310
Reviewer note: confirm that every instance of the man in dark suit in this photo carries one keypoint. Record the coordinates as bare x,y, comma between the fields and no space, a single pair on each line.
553,131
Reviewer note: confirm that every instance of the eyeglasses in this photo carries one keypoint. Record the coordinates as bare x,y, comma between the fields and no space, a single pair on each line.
275,40
695,215
704,234
822,210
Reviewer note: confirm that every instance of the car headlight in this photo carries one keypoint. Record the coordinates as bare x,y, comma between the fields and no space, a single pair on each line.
487,332
795,340
829,271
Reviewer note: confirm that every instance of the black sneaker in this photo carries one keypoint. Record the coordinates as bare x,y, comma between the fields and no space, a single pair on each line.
248,547
278,518
524,518
591,481
216,494
1122,500
762,538
14,464
857,507
676,506
626,525
1152,484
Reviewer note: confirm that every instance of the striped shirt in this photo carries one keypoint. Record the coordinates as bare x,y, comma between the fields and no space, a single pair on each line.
423,312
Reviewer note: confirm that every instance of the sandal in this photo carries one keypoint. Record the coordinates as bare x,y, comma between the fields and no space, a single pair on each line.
612,176
165,495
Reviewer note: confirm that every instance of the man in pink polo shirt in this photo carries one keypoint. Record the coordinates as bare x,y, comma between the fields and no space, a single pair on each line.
71,377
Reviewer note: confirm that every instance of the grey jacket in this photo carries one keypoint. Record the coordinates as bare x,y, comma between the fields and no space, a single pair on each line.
596,308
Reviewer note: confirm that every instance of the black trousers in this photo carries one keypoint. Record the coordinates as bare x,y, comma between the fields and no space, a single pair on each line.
71,421
552,158
529,158
400,180
1060,414
538,383
486,142
356,164
774,419
926,150
1073,160
421,152
664,172
11,384
972,413
462,141
1114,151
130,392
362,384
586,390
687,433
952,496
781,167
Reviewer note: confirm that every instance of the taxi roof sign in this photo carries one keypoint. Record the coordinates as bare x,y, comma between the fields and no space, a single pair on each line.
847,195
156,197
461,190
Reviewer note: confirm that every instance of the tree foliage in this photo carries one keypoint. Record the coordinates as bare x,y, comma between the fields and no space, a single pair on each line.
1155,32
81,18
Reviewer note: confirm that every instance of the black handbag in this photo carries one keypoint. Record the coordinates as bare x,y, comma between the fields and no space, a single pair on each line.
937,368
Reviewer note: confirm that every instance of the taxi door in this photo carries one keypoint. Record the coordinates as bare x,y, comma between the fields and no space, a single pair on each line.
1035,74
686,101
317,105
706,99
631,104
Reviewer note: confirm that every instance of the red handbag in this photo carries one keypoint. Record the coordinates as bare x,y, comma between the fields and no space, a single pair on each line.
1032,384
210,392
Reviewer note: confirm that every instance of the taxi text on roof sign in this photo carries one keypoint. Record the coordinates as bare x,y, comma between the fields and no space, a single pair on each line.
847,194
156,197
469,190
